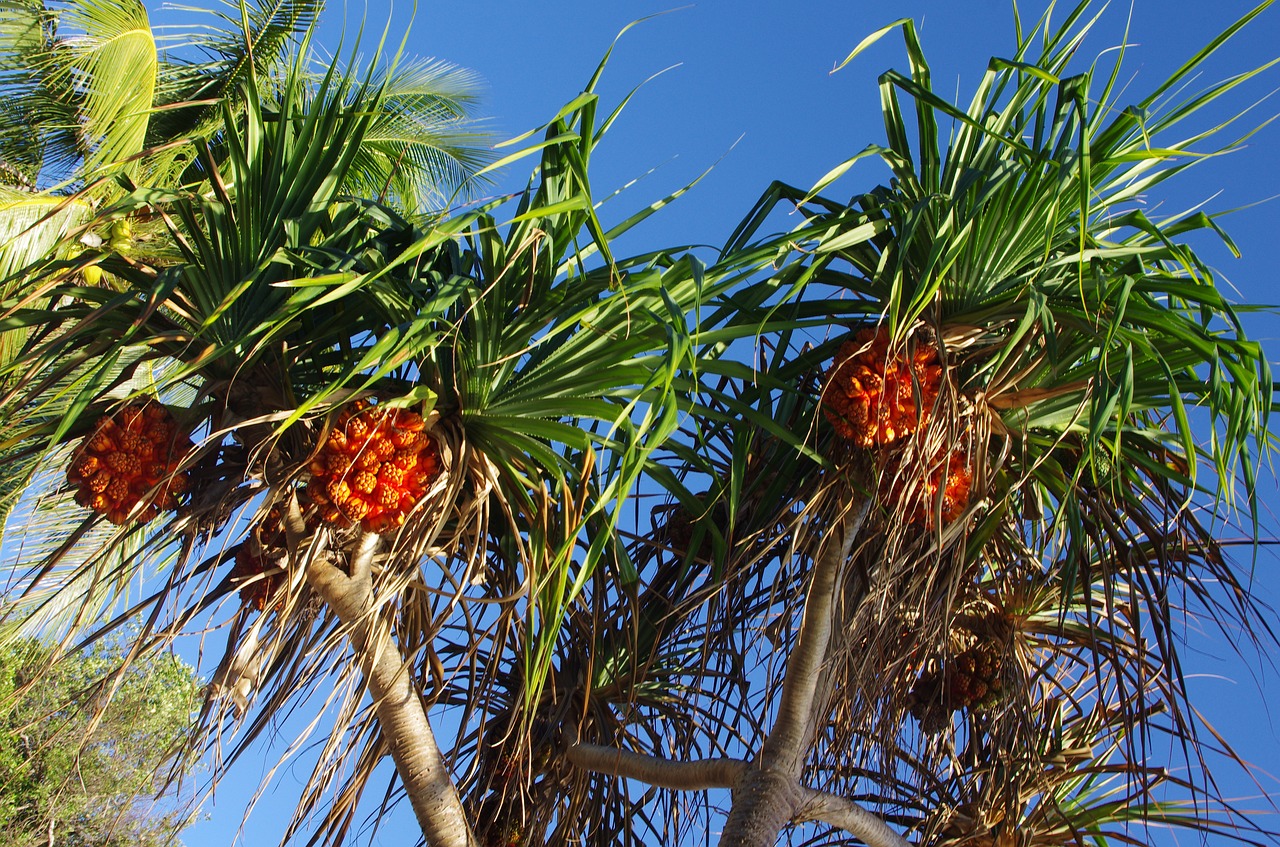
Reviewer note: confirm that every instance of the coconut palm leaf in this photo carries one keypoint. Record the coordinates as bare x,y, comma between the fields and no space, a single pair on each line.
252,41
422,146
23,37
58,69
117,43
32,226
421,149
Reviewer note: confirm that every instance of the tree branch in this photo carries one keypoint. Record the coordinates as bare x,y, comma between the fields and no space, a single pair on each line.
789,739
849,816
769,796
698,775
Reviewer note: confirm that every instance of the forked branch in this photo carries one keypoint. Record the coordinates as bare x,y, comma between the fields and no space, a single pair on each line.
768,795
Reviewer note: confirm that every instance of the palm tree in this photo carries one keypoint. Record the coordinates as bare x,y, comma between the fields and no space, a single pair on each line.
69,135
977,554
65,118
914,579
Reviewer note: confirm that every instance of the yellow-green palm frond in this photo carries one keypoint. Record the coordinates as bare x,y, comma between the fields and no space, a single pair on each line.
105,42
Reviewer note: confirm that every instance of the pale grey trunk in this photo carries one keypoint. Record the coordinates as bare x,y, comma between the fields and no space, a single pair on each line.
764,803
769,795
401,715
764,807
699,775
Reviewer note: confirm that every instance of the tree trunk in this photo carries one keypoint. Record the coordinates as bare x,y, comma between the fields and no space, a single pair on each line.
769,795
764,803
401,715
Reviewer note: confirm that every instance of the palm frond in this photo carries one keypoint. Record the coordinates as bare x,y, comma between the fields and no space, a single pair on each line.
105,42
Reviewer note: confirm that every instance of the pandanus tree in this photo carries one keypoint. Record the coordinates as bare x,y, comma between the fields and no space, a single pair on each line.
976,556
72,139
934,471
369,417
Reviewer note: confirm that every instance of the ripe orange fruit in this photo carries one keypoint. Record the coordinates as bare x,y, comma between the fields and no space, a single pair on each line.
131,459
869,395
954,477
375,466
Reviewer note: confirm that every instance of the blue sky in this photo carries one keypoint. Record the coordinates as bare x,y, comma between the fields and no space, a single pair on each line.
746,87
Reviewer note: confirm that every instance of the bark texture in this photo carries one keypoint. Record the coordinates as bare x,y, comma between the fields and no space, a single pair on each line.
849,816
769,796
764,802
699,775
401,715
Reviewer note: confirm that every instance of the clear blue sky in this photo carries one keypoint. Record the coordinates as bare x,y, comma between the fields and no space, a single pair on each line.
749,90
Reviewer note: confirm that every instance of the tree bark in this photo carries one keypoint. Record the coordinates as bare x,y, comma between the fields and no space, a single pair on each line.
849,816
699,775
789,801
401,715
769,796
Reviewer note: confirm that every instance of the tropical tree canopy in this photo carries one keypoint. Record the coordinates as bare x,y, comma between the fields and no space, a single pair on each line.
73,140
66,118
884,523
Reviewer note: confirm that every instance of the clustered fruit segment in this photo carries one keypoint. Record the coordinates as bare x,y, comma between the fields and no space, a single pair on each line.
375,466
131,460
954,477
878,399
870,393
255,568
970,680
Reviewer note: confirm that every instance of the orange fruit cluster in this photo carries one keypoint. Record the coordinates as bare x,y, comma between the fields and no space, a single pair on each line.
870,394
954,477
131,460
374,468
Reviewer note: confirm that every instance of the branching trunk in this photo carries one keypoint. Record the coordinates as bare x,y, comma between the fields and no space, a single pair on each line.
769,796
401,716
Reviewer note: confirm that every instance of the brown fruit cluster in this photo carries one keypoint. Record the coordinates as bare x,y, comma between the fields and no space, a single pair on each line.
129,461
257,590
254,558
374,468
869,394
970,680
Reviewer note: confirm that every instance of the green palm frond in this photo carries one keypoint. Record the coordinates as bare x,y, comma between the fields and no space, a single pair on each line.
32,227
59,71
422,145
251,40
24,39
107,41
